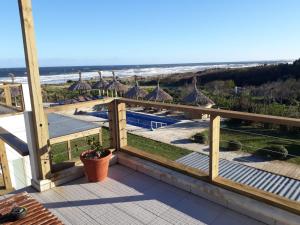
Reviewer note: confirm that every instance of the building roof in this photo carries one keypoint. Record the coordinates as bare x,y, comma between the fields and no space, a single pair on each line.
158,94
196,97
80,85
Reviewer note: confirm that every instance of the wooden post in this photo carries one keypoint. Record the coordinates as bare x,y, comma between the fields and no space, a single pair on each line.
69,150
117,124
7,94
40,125
214,145
121,109
100,139
4,166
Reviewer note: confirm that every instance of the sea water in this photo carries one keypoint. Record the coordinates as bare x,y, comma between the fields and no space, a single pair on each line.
56,75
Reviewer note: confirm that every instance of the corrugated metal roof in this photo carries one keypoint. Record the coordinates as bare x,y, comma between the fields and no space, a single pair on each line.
270,182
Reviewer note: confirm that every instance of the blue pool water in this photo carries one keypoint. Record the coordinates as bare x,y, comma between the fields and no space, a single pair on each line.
142,120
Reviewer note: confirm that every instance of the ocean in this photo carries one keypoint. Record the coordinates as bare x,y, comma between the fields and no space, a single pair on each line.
56,75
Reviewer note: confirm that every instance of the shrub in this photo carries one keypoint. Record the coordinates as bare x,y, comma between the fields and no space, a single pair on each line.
200,138
277,152
234,145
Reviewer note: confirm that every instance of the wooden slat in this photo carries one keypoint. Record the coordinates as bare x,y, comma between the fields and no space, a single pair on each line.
79,105
36,213
40,125
214,145
4,166
223,113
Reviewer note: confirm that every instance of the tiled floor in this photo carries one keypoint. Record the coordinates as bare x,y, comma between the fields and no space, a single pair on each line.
129,197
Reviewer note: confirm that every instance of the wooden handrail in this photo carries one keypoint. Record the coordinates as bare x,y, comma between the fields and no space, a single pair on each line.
78,105
16,143
217,112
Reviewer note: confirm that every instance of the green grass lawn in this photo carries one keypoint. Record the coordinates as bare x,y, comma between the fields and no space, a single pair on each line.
59,151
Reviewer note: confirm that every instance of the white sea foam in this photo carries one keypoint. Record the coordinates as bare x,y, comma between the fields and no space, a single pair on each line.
150,71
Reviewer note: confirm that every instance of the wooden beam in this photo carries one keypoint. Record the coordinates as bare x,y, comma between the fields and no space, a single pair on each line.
7,95
112,118
223,113
40,125
214,145
74,135
4,166
69,149
74,106
121,125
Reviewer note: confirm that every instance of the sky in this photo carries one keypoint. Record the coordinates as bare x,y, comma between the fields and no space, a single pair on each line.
114,32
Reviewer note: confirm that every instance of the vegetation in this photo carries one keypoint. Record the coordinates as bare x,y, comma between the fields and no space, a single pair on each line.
274,152
234,145
201,138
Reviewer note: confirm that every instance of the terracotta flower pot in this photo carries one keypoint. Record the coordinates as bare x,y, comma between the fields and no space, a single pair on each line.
95,169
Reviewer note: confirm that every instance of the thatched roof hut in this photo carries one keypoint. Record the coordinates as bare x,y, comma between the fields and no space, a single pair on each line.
101,84
159,95
116,86
80,85
196,97
136,92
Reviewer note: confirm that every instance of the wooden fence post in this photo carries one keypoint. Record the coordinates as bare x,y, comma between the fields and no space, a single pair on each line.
40,124
214,145
4,166
117,124
7,94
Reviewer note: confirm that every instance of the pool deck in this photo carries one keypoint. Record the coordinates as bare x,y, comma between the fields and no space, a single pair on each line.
130,197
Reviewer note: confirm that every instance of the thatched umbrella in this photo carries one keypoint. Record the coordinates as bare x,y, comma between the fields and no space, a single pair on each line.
197,98
116,87
101,85
158,94
136,92
80,85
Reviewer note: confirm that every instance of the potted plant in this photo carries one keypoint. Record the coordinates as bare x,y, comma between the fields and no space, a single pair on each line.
95,161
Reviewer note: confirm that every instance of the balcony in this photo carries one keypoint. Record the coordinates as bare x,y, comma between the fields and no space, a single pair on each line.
157,174
245,189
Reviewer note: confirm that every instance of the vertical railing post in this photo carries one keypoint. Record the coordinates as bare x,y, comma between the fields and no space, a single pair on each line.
39,121
214,145
117,124
7,95
4,166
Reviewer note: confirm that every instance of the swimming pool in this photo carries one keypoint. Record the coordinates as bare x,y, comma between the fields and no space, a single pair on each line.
142,120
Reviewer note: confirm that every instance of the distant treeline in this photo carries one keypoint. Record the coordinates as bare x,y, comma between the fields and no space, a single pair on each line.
253,76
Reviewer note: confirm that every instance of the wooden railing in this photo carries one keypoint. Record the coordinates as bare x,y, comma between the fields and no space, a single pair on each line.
12,96
118,140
